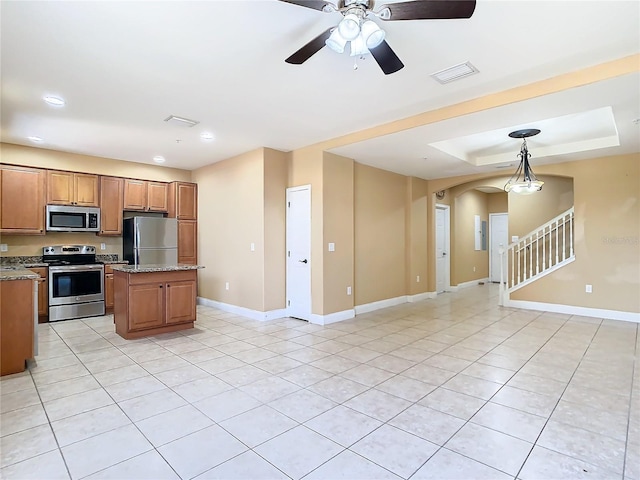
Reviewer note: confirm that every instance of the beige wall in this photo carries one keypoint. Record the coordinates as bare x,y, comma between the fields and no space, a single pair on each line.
338,228
275,184
498,202
379,212
416,216
467,263
230,218
31,245
607,226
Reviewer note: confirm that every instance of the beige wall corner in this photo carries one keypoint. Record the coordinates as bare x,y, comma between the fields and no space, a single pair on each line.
416,264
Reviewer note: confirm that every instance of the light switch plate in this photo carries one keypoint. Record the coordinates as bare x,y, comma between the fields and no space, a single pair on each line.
332,247
4,247
103,246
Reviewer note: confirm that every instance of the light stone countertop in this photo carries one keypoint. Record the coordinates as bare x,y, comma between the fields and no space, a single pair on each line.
155,268
17,273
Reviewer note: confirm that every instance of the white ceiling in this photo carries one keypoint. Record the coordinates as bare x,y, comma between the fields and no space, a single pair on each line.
123,67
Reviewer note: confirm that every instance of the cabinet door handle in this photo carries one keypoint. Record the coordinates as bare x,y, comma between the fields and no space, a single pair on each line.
160,286
168,286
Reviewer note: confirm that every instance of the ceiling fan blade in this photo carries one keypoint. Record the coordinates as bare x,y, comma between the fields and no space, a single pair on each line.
314,4
309,49
427,10
386,58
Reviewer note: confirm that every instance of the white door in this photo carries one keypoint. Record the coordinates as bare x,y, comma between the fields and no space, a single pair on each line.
442,248
498,238
299,252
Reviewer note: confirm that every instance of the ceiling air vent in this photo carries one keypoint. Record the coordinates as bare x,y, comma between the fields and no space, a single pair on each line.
180,121
456,72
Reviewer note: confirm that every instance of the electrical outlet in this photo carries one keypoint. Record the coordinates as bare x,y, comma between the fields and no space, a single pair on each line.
332,247
103,246
253,247
226,286
474,269
4,247
588,288
349,290
417,278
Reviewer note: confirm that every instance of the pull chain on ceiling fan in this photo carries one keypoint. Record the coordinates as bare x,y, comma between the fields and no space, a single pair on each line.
364,35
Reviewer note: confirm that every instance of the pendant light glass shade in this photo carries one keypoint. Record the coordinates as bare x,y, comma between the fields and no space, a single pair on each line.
358,46
373,35
336,42
349,27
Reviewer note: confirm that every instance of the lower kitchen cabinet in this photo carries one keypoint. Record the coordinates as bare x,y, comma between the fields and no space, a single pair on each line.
154,302
108,289
16,325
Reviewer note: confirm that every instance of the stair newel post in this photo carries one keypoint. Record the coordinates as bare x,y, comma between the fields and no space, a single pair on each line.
571,233
513,266
544,243
557,241
519,261
538,252
564,242
531,257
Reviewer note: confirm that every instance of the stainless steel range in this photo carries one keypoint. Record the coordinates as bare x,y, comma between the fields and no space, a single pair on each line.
76,282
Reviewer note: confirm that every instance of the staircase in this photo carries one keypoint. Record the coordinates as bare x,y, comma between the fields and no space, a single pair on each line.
540,252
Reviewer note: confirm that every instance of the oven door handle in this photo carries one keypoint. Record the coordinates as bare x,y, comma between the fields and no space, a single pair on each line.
76,268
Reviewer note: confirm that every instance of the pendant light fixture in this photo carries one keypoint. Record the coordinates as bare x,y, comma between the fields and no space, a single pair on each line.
524,181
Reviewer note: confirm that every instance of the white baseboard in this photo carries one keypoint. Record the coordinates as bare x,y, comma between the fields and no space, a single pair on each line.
471,283
573,310
421,296
389,302
242,311
332,317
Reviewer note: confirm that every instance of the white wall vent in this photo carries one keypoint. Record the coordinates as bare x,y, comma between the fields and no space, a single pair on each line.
456,72
180,121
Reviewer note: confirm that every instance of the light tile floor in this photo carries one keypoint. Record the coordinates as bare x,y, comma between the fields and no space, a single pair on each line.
449,388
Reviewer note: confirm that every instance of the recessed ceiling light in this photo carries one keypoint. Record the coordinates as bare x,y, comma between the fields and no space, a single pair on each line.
206,136
54,101
35,139
159,159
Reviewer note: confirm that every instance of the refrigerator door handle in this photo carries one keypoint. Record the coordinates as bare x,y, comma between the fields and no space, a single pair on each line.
136,250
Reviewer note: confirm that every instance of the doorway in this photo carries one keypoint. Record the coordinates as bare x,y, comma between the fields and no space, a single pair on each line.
298,239
443,264
498,238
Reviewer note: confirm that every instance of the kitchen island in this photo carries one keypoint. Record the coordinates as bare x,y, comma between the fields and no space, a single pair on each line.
154,299
18,318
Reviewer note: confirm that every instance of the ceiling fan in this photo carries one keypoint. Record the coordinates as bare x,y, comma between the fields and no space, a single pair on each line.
364,35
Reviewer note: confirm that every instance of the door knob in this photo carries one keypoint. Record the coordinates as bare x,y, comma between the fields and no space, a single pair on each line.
444,254
303,261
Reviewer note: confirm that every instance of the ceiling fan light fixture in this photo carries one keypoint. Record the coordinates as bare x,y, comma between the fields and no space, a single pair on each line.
349,26
373,35
336,42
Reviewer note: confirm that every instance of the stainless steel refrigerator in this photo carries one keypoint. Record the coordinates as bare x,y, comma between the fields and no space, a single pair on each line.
150,240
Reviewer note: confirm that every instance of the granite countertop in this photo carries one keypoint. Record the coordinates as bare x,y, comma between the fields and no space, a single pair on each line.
17,273
114,262
155,268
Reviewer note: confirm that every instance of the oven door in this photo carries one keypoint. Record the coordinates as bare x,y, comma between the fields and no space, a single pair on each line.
71,284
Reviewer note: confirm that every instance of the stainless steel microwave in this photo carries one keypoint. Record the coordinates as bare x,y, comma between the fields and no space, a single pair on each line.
61,218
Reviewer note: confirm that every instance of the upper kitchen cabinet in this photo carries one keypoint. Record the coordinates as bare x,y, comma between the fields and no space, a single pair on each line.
22,195
145,196
68,188
183,200
111,205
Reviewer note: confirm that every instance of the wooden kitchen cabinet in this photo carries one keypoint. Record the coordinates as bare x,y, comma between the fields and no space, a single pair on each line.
188,242
108,288
16,325
111,205
43,293
22,200
153,303
69,188
183,200
145,195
